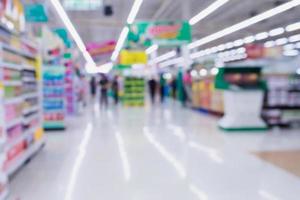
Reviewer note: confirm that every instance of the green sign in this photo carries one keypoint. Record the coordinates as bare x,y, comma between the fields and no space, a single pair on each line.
63,34
35,13
163,33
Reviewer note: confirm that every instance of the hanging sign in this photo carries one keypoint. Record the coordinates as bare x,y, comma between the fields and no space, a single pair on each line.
97,49
35,13
133,57
163,33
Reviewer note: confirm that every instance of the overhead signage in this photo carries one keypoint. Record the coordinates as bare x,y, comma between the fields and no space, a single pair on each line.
133,57
163,33
35,13
97,49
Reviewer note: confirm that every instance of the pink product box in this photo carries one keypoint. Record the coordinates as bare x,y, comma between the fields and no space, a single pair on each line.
14,132
11,112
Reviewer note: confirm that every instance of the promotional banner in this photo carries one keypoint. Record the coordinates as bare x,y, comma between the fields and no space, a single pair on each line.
98,49
133,57
163,33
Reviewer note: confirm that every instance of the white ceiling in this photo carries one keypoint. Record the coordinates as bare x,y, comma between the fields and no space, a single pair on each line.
93,26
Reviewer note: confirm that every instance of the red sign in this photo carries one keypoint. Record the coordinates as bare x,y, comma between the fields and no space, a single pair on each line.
255,51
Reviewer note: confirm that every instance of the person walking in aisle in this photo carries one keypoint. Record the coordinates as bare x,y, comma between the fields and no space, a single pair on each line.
152,89
93,87
104,85
162,84
115,89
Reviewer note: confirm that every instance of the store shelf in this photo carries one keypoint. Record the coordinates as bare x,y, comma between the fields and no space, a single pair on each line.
29,79
21,137
30,95
283,107
23,157
17,51
30,110
14,122
10,66
27,120
13,100
29,67
12,83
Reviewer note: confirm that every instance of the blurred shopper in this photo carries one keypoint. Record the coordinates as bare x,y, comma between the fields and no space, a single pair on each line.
162,84
173,86
187,86
152,89
115,89
93,86
104,86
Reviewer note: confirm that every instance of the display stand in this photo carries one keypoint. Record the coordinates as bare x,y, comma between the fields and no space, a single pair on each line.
134,91
54,97
243,98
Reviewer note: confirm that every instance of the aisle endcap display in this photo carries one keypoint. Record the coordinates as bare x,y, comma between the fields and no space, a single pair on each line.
242,86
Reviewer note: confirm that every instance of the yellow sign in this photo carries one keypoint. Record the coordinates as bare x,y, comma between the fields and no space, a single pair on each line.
133,57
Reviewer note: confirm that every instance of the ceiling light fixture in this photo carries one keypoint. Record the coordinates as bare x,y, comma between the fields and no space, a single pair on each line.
294,38
134,10
276,31
151,49
165,56
249,39
66,20
207,11
281,41
293,27
120,43
131,17
174,61
246,23
269,44
261,36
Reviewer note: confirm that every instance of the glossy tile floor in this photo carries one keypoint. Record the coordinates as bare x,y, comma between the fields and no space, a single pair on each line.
155,153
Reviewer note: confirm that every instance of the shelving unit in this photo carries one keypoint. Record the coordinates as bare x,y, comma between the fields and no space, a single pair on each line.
282,100
54,97
20,110
70,88
134,91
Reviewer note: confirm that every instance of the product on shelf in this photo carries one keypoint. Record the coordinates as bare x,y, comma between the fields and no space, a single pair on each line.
54,97
134,91
282,99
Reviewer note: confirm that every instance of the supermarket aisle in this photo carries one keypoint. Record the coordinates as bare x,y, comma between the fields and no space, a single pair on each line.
155,153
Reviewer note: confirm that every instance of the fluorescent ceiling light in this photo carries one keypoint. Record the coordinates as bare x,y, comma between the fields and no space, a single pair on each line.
241,50
289,46
238,43
197,54
66,20
293,27
104,68
281,41
294,38
291,53
207,11
297,45
229,45
276,31
134,10
120,43
151,49
246,23
269,44
172,62
261,36
249,39
165,56
203,72
221,47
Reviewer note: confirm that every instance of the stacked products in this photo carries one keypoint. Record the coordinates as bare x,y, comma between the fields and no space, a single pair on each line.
134,91
70,89
54,97
20,110
282,100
